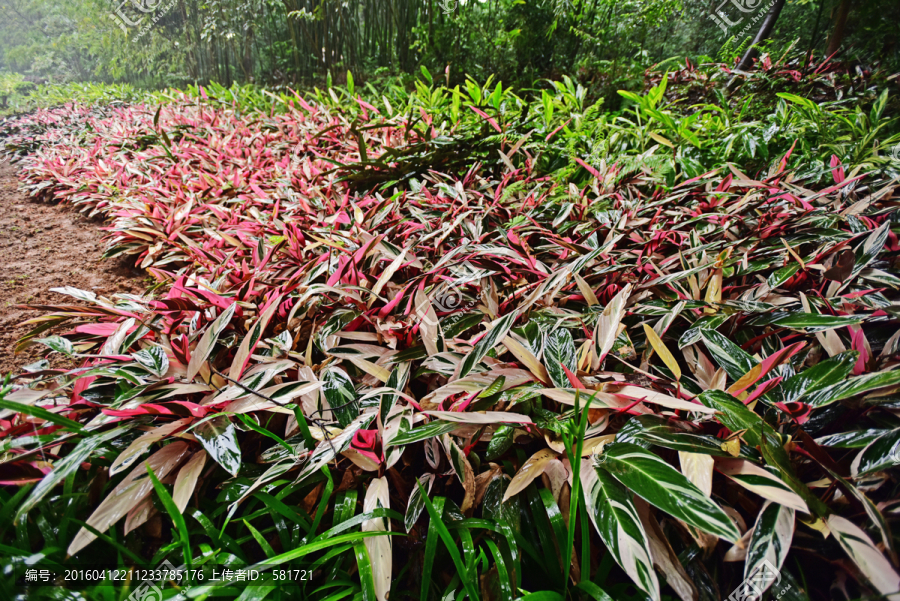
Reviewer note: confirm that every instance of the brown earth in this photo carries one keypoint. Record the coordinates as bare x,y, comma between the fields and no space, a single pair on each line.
44,246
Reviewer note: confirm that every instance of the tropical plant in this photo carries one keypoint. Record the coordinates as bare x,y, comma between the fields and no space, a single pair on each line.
432,345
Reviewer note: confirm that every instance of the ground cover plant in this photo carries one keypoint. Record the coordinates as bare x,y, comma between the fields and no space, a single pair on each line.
458,342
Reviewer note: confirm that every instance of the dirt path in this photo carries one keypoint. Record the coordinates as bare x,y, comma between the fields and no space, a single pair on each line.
45,246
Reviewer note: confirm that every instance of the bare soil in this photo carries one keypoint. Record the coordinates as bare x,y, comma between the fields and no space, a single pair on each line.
44,246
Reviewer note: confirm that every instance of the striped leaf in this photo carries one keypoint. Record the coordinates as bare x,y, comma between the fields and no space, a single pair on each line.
208,340
497,332
771,539
875,515
416,503
608,326
761,481
617,522
727,354
558,352
880,454
662,485
870,561
379,547
852,387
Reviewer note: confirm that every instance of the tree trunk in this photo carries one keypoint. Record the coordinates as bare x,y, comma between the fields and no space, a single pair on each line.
840,22
764,31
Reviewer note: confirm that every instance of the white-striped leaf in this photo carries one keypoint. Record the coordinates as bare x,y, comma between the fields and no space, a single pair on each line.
608,326
497,332
153,359
619,526
771,539
881,453
132,490
727,354
379,547
762,482
874,514
852,387
417,502
870,561
208,340
186,481
662,485
559,351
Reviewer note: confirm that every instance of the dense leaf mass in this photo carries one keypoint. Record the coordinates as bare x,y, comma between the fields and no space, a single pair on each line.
540,356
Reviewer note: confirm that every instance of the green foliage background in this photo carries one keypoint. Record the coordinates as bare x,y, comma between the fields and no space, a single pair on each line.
607,43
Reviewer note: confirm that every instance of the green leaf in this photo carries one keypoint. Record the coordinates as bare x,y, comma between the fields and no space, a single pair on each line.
218,437
596,593
619,526
248,421
852,387
782,275
735,416
71,462
661,485
364,568
814,322
429,430
732,358
41,413
294,554
431,544
497,332
437,522
426,74
542,596
153,359
821,375
176,516
880,454
495,387
340,394
501,441
770,541
804,102
558,351
415,505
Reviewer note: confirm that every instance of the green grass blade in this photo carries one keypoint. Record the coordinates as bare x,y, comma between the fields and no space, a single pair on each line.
176,516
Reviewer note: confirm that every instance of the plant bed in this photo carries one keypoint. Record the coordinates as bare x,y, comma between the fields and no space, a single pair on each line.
589,360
